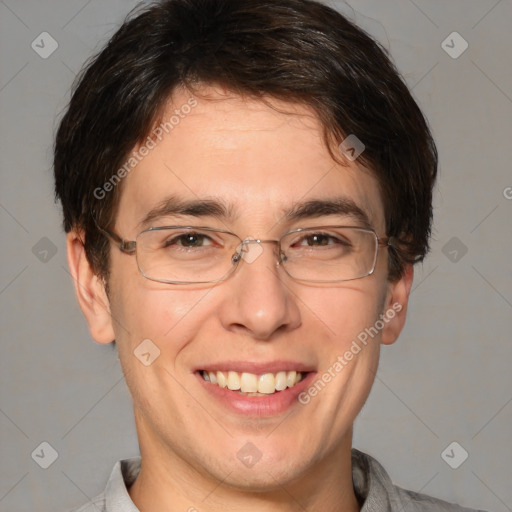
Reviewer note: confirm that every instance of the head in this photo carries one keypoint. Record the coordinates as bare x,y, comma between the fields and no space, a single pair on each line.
242,107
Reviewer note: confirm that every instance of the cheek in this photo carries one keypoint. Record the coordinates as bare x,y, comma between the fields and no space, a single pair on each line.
345,312
159,322
142,309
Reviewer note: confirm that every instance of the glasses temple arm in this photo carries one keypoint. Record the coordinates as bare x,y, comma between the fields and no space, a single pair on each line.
387,241
125,246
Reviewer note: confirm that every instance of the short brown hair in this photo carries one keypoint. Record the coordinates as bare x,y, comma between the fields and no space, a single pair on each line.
294,50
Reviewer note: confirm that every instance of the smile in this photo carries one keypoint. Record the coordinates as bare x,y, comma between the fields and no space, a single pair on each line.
252,384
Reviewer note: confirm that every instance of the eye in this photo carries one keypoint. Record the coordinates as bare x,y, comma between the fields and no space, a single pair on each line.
322,239
189,240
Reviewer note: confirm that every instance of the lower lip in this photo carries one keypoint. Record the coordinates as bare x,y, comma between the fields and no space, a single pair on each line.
258,406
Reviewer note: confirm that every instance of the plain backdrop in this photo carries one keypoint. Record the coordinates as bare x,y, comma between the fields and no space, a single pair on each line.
447,379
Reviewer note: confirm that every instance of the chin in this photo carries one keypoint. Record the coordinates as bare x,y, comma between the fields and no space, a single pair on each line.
261,478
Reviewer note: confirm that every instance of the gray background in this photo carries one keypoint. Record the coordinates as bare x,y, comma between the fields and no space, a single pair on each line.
448,377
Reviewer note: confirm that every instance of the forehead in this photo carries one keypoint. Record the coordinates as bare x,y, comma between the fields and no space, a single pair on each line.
256,160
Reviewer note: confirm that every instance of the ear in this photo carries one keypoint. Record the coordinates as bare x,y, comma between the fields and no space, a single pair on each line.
90,290
395,308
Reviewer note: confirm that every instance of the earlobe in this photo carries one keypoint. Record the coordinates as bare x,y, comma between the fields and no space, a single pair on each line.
395,309
90,290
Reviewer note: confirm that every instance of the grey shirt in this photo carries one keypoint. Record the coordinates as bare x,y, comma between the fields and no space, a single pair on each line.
372,485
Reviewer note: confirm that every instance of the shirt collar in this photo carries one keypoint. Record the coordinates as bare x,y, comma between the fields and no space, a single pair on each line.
122,477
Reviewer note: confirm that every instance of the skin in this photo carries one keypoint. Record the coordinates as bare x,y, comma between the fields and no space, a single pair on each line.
262,161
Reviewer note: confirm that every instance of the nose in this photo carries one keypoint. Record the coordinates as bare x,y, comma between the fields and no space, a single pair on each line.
259,301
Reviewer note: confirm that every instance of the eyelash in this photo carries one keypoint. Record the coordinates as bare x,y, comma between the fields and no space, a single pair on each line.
174,241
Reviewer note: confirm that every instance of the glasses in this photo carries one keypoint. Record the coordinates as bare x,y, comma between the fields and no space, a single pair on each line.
197,255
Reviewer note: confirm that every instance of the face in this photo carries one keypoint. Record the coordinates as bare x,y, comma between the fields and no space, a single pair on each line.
260,164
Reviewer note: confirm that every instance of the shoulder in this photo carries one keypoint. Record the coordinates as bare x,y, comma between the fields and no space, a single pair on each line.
374,486
115,497
97,504
413,501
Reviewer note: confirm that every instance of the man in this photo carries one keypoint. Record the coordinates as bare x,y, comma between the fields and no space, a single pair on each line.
246,187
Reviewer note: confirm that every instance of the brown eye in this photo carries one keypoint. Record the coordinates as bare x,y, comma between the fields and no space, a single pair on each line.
188,240
322,239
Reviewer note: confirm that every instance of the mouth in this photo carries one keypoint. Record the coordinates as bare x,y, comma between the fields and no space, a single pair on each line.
251,384
255,389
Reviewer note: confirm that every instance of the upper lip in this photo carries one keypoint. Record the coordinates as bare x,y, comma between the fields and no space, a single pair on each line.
257,368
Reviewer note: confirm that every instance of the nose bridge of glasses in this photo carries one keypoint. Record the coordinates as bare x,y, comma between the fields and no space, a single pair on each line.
250,249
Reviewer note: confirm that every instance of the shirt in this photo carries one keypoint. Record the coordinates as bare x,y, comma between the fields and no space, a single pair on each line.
372,485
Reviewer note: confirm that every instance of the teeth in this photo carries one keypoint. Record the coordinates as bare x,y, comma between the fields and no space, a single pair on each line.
265,384
221,380
249,383
291,378
281,381
233,381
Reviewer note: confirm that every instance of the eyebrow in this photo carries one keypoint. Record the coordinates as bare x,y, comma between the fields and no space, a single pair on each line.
334,206
221,210
188,207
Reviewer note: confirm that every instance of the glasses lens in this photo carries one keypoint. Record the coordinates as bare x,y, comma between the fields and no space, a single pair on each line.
185,254
329,254
203,255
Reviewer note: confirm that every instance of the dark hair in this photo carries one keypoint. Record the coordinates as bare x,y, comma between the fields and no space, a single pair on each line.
294,50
